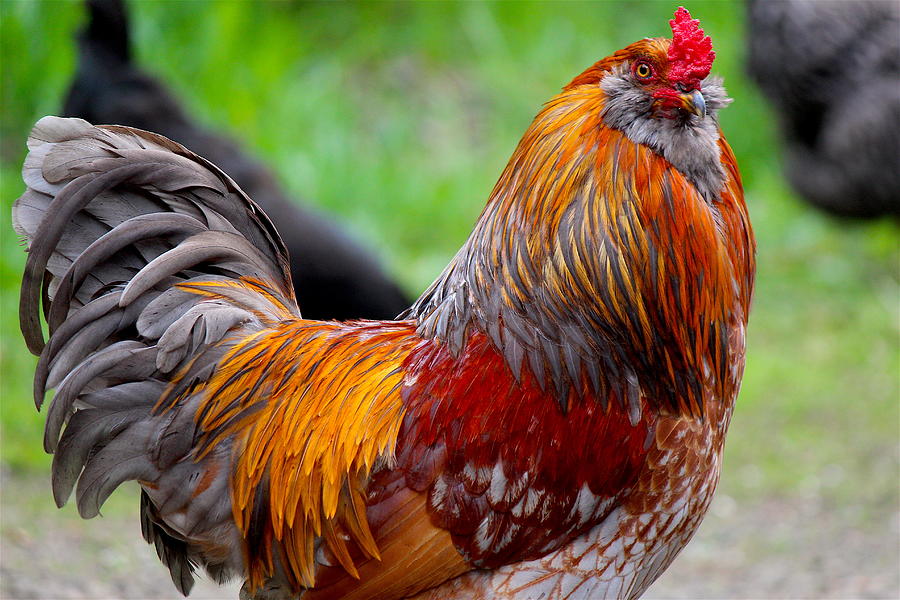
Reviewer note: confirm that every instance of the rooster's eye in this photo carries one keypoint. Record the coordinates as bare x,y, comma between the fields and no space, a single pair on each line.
643,70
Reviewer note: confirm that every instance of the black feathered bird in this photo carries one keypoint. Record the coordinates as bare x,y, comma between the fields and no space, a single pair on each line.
832,73
334,277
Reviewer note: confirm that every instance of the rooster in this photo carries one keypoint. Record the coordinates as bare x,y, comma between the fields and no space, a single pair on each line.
547,421
830,71
334,277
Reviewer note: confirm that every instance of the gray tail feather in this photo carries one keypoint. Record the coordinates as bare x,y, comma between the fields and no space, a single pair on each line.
115,219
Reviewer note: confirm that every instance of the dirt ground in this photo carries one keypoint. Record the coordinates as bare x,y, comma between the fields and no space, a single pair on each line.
795,548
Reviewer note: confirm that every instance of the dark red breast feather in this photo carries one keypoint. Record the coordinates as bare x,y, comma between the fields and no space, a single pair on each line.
690,55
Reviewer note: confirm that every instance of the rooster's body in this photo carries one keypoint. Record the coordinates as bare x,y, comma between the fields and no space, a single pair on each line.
548,421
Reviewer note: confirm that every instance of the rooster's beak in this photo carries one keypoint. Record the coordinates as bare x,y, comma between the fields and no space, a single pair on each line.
694,103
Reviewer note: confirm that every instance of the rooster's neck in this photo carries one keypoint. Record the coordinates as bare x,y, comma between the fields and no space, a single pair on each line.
597,260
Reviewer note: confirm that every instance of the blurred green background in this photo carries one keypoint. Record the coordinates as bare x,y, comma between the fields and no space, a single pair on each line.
398,118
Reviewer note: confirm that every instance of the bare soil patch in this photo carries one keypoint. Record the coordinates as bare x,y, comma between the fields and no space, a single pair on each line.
789,548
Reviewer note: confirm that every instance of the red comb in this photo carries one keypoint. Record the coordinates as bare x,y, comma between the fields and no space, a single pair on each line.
690,54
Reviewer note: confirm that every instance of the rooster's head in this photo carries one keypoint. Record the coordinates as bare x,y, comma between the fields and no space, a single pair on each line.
659,93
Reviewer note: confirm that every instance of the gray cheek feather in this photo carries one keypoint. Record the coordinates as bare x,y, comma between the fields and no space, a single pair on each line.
689,143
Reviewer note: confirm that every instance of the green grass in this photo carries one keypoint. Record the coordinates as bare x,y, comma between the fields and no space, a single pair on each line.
397,118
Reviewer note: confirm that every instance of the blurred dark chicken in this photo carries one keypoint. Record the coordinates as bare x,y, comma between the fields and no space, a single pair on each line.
832,73
334,277
547,422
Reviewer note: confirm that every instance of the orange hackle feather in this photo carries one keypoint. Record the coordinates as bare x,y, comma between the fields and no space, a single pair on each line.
622,205
314,407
